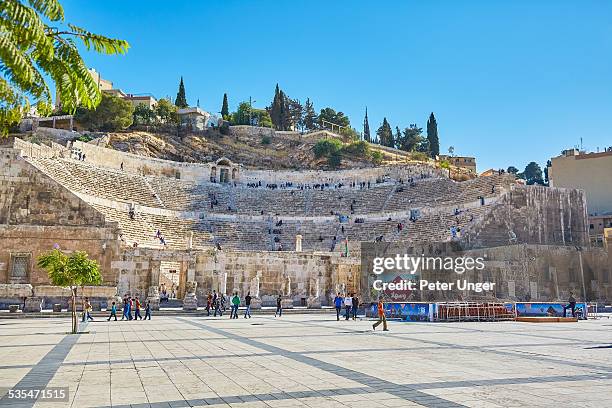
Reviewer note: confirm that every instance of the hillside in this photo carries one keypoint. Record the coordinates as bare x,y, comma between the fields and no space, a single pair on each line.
276,151
255,148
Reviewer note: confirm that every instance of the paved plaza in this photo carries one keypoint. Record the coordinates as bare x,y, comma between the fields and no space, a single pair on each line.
309,361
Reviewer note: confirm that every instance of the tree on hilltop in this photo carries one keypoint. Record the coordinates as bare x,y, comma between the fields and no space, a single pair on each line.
411,139
37,46
397,139
295,117
278,109
512,170
385,134
181,99
166,111
225,108
533,174
366,128
112,114
247,115
310,116
432,136
144,115
328,118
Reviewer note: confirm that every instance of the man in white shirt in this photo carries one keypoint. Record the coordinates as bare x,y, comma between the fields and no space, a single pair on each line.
348,303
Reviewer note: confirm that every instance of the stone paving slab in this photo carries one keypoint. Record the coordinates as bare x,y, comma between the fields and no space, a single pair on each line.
308,361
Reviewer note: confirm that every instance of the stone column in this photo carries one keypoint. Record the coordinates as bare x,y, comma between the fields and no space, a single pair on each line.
190,302
298,243
153,292
223,285
256,300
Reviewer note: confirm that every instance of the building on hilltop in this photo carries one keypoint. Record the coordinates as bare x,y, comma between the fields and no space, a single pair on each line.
194,118
463,162
147,100
106,86
592,173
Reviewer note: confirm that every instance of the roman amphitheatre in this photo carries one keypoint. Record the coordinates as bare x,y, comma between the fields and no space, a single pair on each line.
227,226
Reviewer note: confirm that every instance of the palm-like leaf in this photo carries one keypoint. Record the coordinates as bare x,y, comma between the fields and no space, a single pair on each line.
30,49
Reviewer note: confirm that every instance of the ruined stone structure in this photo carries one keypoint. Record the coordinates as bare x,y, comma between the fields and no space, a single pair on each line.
299,239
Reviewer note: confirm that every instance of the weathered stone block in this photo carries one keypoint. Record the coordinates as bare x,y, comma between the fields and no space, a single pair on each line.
15,290
33,304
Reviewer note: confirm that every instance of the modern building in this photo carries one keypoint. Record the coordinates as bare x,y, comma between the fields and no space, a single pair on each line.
103,84
106,86
463,162
147,100
193,118
591,172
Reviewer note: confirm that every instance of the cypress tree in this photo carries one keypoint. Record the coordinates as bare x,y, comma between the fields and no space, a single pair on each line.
385,134
366,128
276,108
432,136
225,107
181,99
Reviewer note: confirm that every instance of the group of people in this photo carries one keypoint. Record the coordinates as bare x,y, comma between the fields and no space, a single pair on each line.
217,303
349,302
130,304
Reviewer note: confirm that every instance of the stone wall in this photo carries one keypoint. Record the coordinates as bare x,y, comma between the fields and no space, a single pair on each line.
134,163
292,275
534,215
28,196
100,243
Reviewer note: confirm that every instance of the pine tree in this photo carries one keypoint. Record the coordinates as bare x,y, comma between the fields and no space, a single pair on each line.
225,108
366,128
385,134
398,136
432,136
310,117
181,99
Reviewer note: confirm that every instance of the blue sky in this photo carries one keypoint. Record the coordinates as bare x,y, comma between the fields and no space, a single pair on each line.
509,81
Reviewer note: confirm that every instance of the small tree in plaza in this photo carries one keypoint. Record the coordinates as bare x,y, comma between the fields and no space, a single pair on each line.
70,271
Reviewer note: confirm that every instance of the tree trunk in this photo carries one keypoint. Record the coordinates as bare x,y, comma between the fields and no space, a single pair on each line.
74,313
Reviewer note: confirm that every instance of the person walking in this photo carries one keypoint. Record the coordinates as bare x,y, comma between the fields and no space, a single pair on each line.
137,305
222,301
571,305
338,305
208,303
148,311
235,304
129,308
381,316
113,312
279,307
215,303
355,306
87,310
247,302
125,308
348,304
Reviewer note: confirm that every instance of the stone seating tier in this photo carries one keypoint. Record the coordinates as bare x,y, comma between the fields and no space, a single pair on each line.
168,193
